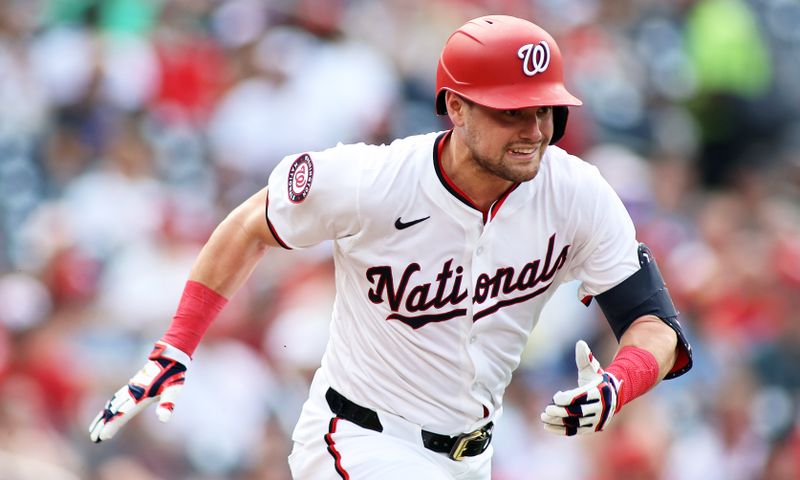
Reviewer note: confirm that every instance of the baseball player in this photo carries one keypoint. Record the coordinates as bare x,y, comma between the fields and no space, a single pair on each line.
446,246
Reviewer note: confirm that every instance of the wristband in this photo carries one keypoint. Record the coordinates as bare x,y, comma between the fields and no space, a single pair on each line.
164,350
199,306
637,371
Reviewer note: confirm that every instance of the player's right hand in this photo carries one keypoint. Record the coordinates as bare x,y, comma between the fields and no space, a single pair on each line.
161,380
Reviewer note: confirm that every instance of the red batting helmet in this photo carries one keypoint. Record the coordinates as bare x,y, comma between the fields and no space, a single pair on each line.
504,63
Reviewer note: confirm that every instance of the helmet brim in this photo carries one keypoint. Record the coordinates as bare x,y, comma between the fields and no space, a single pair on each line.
512,97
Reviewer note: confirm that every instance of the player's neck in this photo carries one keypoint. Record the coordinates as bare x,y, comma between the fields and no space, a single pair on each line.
481,186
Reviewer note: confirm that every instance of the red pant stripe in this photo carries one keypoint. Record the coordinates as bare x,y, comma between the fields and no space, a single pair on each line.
337,457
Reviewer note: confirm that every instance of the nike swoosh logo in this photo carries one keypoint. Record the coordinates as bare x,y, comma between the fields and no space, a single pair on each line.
400,225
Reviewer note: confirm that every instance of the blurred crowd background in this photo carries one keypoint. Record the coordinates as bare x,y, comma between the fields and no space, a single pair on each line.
129,128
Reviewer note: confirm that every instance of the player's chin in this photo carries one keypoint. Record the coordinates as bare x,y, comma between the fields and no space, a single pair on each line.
522,169
520,175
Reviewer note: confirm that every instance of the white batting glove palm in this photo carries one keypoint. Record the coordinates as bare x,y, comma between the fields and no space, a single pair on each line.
588,408
160,380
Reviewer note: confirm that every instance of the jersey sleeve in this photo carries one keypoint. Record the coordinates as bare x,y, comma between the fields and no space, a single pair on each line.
607,252
314,197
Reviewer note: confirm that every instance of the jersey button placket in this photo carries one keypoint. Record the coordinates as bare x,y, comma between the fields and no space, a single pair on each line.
473,231
481,264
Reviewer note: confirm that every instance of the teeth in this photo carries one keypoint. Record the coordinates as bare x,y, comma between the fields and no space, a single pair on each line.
523,152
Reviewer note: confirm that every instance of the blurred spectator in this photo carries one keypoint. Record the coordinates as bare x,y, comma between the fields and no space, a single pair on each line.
131,127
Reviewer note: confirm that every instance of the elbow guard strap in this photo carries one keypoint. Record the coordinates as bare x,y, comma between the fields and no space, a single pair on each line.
644,293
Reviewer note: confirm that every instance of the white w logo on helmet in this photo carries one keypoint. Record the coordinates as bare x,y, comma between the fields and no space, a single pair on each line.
535,58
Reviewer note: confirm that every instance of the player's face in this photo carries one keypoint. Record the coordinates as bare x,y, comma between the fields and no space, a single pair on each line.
508,143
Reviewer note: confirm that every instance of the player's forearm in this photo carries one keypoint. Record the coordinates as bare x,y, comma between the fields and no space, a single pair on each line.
647,353
652,334
230,255
224,264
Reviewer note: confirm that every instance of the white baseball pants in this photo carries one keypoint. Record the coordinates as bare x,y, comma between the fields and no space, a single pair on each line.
330,448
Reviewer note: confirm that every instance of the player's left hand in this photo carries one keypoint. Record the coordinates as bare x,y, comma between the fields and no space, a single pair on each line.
588,408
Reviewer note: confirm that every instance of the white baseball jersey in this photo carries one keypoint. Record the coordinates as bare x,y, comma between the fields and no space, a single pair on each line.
436,299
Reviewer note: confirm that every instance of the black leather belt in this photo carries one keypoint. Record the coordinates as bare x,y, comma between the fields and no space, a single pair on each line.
458,447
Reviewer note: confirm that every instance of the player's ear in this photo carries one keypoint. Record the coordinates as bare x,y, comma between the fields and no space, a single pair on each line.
456,107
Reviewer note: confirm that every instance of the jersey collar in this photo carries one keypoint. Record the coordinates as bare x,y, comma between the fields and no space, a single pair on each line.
452,188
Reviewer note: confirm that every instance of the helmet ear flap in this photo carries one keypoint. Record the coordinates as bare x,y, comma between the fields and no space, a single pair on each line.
441,107
560,115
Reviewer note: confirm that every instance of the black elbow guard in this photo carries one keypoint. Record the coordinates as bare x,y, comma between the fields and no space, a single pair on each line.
644,293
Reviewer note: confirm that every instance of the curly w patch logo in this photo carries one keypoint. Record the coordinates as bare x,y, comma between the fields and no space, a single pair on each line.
535,58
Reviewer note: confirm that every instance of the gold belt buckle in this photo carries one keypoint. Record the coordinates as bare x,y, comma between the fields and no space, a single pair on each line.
457,453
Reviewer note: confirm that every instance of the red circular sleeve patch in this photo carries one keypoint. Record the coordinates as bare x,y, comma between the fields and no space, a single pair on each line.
300,175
